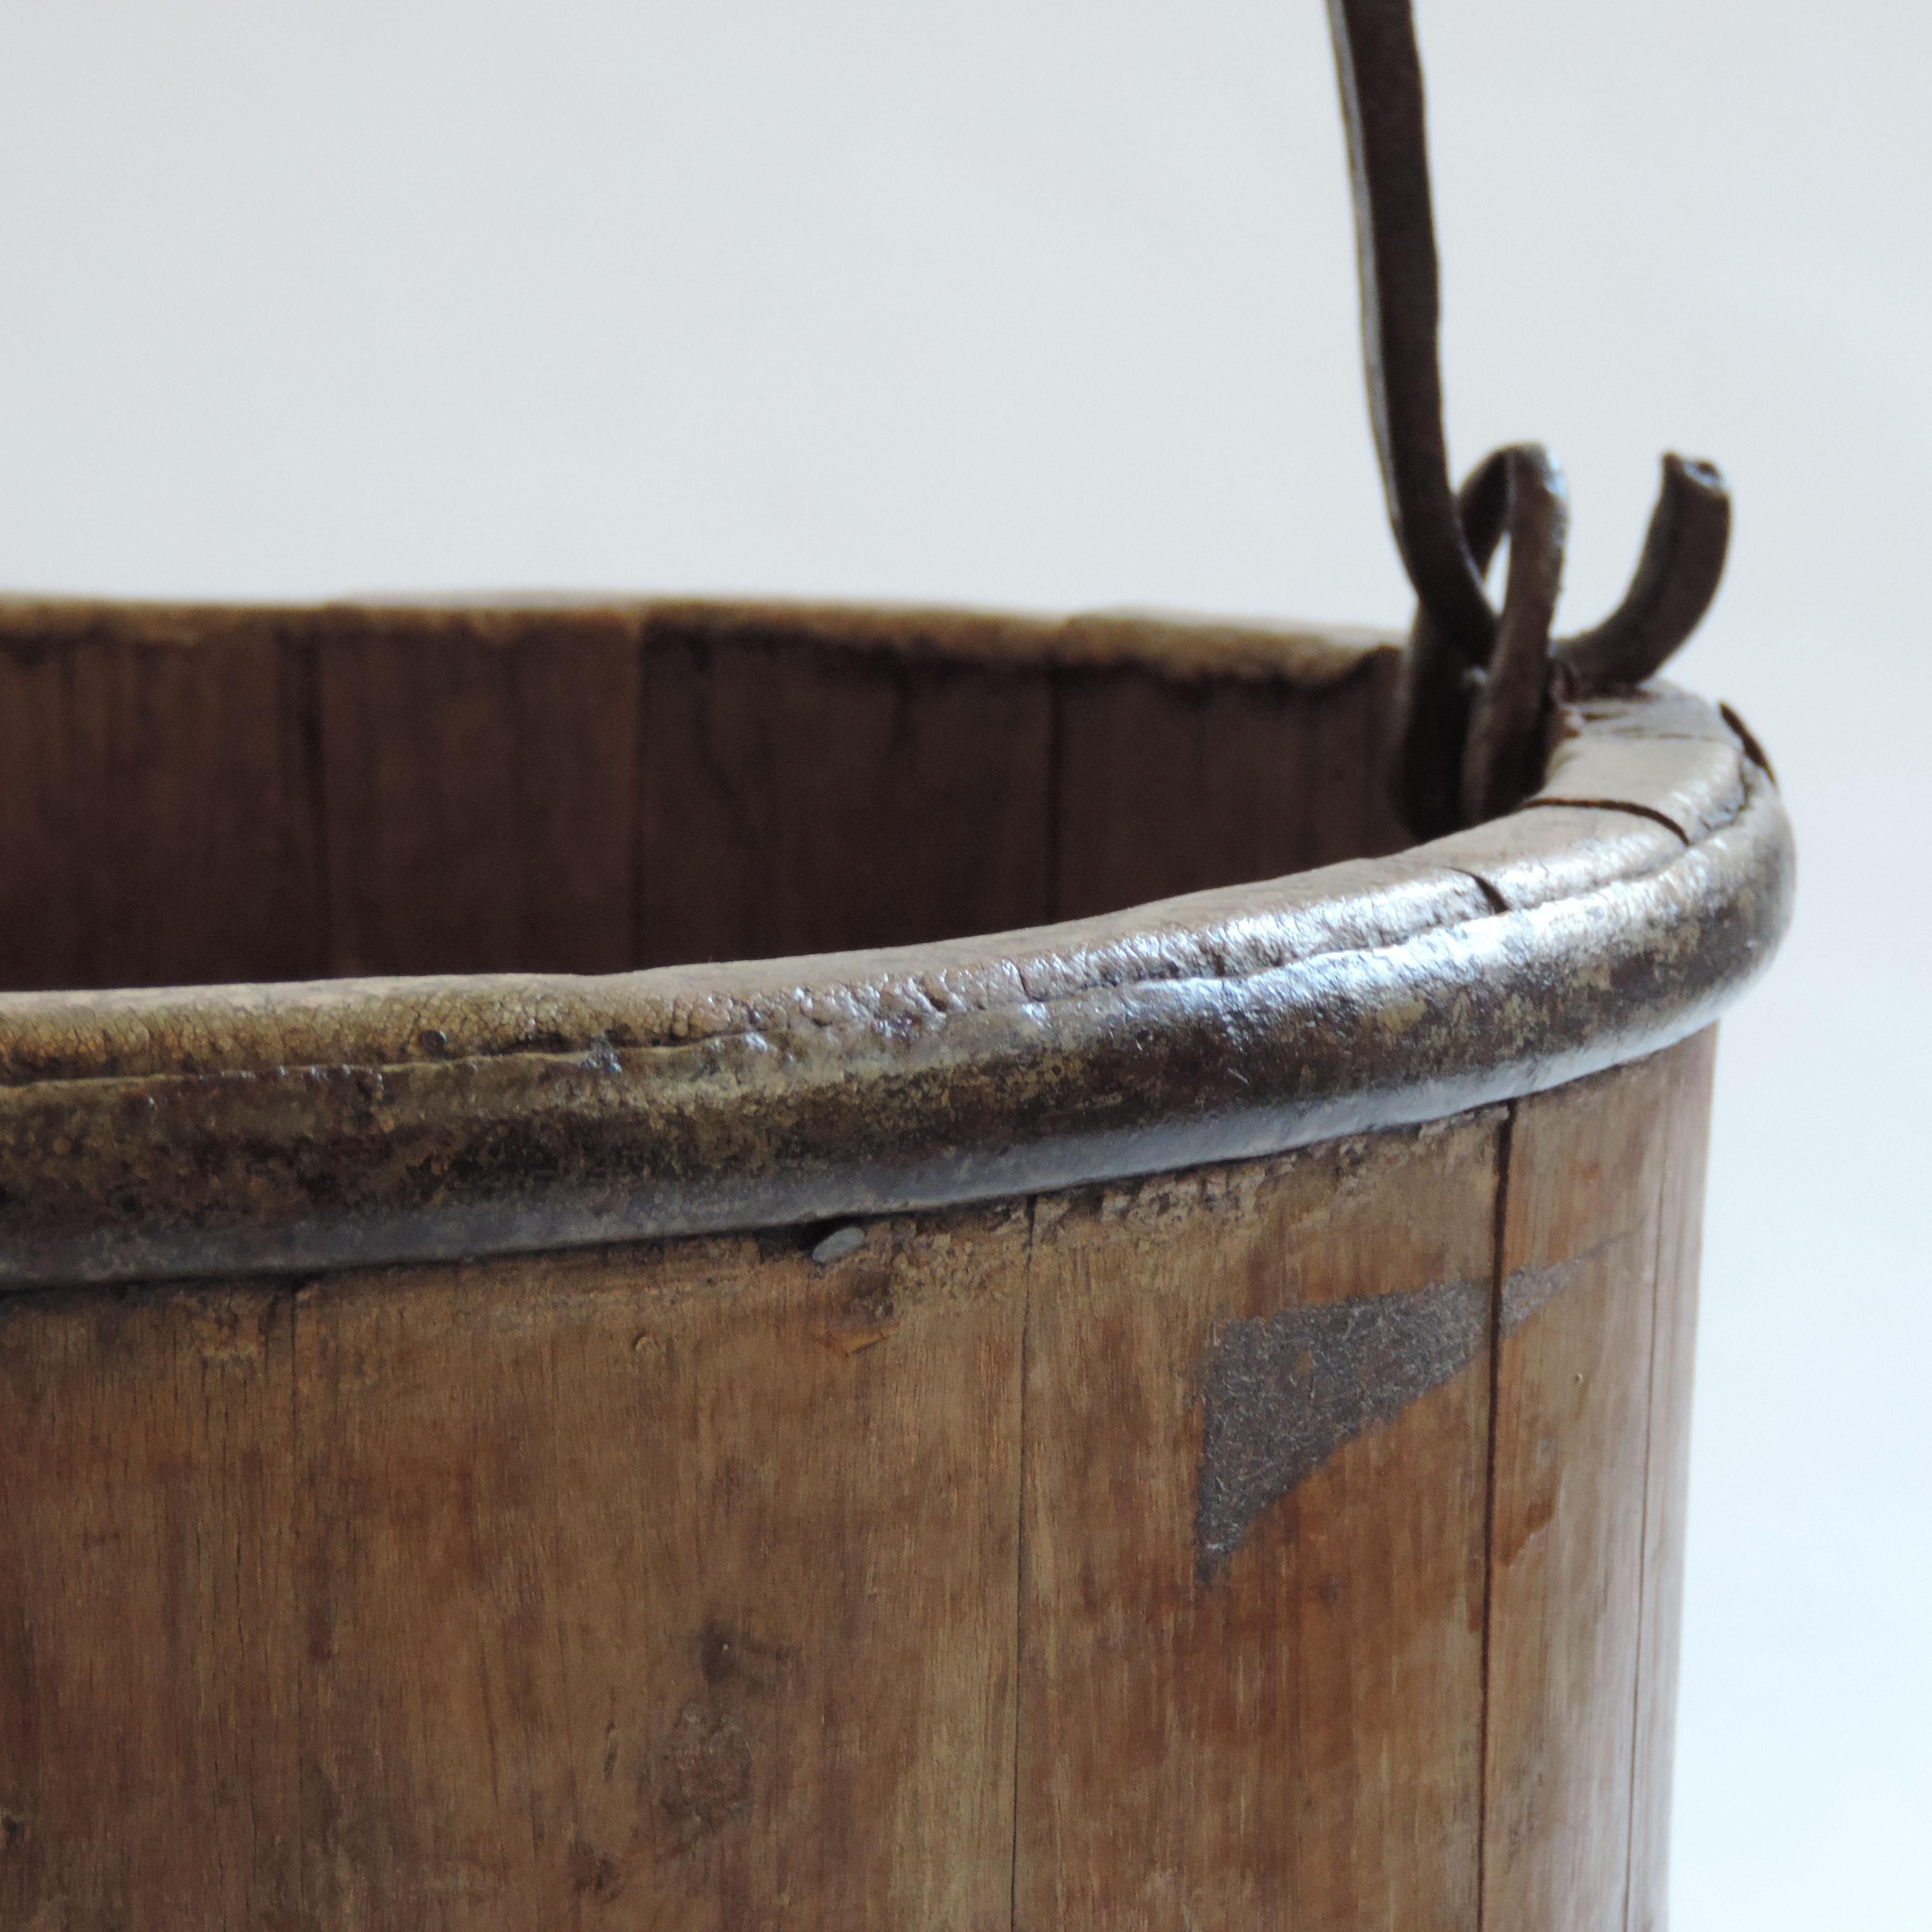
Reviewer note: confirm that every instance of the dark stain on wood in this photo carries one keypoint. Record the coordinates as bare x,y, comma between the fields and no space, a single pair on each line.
708,1762
1527,1289
729,1656
594,1874
1282,1392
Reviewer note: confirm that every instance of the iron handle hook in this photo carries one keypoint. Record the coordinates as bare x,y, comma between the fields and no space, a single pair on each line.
1478,684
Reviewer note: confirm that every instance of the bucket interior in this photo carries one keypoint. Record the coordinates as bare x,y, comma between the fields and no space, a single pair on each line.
190,797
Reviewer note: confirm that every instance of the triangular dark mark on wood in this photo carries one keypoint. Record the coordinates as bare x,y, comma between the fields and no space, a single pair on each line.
1528,1288
1282,1392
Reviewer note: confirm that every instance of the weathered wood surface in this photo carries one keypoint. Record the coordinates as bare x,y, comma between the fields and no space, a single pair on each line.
1138,1556
476,793
157,796
1599,1249
486,1599
1573,1385
1167,791
685,1581
152,1672
367,789
1252,1662
818,801
1681,1232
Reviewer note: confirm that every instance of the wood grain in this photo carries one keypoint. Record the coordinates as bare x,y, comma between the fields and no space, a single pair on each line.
680,1584
1573,1396
43,808
158,809
1133,1557
1167,786
802,800
1297,1541
1666,1486
148,1686
480,779
1295,1740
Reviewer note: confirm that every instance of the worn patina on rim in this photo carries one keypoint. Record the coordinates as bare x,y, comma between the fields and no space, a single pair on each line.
148,1134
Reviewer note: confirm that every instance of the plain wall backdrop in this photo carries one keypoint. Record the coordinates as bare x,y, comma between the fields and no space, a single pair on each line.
1051,303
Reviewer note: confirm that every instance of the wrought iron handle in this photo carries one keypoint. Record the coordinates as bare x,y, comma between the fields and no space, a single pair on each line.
1478,684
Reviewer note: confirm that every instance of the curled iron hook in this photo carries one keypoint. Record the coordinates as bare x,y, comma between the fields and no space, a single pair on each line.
1504,750
1471,742
1435,700
1477,685
1677,575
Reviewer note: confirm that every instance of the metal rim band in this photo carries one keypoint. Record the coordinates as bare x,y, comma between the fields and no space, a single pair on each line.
220,1130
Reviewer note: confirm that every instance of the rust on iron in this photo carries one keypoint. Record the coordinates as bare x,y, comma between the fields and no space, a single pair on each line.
1677,577
1503,753
1380,73
1466,752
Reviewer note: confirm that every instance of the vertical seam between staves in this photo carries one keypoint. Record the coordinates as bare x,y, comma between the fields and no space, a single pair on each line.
297,1489
1505,1155
1056,713
84,948
1643,1504
1020,1556
634,935
299,659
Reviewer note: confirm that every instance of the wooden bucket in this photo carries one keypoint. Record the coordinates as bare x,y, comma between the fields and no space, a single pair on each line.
1171,1415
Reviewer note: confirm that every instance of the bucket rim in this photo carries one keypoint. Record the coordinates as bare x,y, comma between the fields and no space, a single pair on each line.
161,1133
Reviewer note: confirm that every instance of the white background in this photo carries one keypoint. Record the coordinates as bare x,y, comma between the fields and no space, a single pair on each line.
1051,303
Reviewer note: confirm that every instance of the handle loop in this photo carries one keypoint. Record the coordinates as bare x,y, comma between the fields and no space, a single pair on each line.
1479,684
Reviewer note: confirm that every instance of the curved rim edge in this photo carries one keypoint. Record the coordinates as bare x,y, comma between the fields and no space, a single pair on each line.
211,1131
